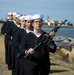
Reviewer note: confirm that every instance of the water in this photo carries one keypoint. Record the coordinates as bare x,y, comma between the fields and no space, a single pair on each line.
65,32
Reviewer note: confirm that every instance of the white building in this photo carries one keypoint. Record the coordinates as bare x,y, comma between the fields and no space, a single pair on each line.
53,22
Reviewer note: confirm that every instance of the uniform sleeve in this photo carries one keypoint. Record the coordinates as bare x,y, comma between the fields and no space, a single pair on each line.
16,39
3,28
23,46
9,32
51,46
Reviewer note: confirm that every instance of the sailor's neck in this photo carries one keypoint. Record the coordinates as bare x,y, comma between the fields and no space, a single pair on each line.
37,31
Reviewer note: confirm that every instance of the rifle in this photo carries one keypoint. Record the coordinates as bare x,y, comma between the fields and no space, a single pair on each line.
44,40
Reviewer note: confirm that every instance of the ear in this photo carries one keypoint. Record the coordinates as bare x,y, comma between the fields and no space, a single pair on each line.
32,24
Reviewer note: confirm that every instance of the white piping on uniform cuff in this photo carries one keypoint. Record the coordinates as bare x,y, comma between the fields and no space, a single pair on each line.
11,37
5,33
25,51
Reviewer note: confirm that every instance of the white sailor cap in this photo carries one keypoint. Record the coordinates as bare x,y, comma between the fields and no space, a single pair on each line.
10,13
7,17
14,13
22,17
17,15
37,16
28,17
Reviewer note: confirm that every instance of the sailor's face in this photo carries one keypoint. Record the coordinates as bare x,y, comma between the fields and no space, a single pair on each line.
37,23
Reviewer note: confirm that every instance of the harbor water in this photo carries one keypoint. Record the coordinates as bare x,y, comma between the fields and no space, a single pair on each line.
65,32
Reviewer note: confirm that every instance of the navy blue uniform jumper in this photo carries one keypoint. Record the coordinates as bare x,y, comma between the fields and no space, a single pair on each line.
39,63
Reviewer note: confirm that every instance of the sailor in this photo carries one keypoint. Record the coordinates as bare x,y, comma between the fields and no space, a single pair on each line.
4,29
14,27
28,28
39,63
16,43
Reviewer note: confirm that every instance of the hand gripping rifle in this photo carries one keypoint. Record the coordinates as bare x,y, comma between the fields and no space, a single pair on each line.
44,39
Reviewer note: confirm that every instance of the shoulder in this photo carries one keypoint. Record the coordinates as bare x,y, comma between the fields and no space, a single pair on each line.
22,31
30,35
43,32
10,22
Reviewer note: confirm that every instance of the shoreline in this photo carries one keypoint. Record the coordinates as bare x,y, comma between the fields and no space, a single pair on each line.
46,26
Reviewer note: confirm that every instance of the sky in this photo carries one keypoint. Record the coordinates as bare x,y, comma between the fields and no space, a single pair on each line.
55,9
